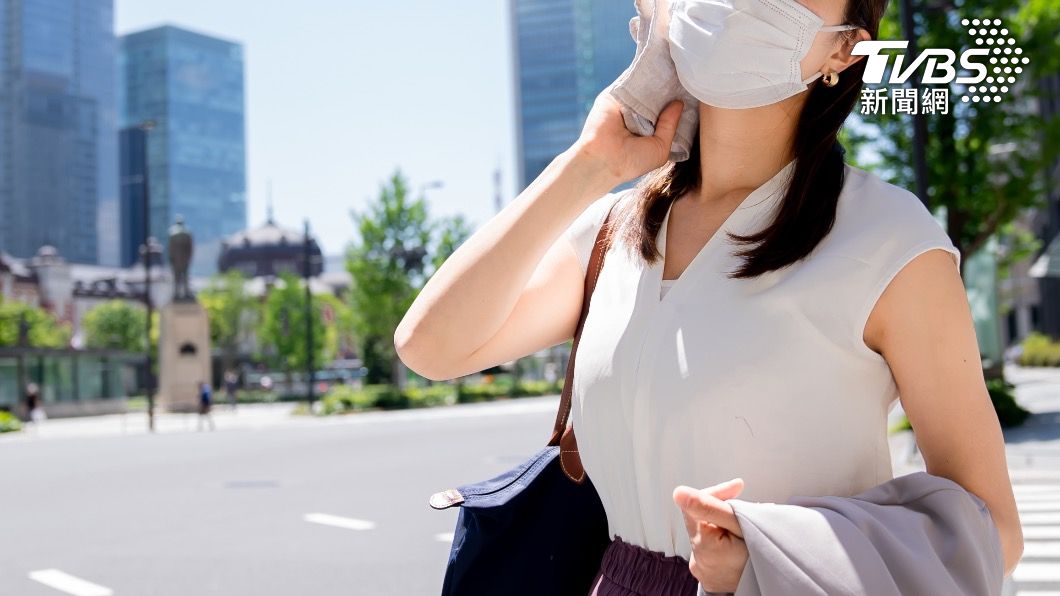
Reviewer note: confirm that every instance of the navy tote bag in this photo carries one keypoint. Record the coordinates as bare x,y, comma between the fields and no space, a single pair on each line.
538,529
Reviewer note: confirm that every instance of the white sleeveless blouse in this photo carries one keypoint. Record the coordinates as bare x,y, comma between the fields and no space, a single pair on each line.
767,379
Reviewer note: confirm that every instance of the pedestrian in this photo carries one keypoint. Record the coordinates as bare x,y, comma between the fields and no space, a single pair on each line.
34,406
740,343
231,380
205,396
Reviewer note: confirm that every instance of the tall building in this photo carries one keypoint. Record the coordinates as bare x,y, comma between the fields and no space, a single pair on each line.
58,136
565,52
133,170
190,86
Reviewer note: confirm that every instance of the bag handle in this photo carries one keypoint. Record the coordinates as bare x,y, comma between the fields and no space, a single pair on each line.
561,435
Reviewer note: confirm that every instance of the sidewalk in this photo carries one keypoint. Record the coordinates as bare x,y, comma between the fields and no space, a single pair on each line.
1032,449
253,416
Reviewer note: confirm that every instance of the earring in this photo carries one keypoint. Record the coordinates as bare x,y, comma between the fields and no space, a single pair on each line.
831,79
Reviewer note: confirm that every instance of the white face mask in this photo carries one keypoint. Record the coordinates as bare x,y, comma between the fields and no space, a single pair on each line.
743,53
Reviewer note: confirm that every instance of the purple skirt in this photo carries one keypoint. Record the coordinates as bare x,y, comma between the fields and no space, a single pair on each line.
631,570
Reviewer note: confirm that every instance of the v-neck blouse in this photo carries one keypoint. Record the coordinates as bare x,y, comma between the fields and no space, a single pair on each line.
767,379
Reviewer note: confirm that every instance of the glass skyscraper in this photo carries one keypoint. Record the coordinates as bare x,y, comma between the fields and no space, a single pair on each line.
58,135
191,86
566,52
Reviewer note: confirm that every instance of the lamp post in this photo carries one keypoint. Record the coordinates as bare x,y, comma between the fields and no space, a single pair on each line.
148,250
308,260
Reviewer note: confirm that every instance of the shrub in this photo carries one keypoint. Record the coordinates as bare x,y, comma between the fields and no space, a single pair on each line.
484,392
1009,413
9,423
441,394
343,399
1039,350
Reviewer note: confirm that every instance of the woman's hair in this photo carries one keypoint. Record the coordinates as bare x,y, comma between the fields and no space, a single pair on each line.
808,209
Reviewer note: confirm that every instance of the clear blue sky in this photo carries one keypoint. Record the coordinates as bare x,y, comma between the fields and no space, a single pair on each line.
339,93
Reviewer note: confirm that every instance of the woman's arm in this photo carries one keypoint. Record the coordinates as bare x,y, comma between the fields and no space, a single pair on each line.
922,325
487,280
511,289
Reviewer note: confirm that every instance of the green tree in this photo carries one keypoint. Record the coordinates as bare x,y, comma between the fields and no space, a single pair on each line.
985,160
43,331
233,313
338,331
115,324
391,259
283,329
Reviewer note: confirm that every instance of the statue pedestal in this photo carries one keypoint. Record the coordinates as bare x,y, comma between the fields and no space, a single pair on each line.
183,355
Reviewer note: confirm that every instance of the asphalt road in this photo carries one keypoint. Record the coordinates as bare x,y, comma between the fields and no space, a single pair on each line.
239,511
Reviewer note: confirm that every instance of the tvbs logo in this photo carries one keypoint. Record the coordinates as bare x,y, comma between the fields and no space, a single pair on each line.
989,67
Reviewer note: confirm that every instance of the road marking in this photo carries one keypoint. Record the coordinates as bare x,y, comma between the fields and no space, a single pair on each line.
1040,517
1042,533
339,522
1041,549
1036,572
1025,489
444,537
1041,505
64,582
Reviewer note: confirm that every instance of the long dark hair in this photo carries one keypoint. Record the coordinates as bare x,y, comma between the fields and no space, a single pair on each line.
808,209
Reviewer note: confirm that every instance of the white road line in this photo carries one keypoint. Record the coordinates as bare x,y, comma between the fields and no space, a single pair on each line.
339,522
1038,498
1043,505
1041,549
1042,533
1035,488
1040,517
444,537
1036,572
64,582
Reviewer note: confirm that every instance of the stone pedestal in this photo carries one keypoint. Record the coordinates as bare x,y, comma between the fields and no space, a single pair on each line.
183,355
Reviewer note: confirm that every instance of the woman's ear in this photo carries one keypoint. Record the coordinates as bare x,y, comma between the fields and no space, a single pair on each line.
841,58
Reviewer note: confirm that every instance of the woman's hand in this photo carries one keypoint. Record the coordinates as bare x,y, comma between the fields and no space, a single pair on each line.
719,554
607,143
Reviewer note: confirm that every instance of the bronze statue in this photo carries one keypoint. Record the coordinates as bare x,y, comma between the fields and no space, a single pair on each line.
180,249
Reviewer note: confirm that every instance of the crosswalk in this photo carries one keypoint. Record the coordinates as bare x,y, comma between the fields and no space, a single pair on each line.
1038,501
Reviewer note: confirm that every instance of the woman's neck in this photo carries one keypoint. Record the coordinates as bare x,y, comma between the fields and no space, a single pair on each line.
739,150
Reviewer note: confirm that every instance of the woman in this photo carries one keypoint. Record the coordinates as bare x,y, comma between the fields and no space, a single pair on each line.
762,371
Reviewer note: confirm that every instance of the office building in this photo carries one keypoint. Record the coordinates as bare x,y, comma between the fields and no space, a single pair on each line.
58,136
565,52
189,86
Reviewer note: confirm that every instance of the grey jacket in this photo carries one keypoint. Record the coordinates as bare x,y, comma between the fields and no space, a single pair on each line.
912,535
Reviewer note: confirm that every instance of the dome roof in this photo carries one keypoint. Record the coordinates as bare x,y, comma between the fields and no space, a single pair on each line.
267,234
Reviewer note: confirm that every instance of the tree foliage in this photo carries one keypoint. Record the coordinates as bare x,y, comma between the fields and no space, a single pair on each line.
283,328
985,160
232,311
42,329
397,249
116,325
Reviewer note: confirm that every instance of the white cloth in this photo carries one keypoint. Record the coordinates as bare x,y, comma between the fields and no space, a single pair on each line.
650,82
766,379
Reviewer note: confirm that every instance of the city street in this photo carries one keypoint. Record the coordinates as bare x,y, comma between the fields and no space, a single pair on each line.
274,504
334,506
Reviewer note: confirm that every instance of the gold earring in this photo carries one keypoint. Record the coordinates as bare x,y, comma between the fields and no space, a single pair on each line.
831,79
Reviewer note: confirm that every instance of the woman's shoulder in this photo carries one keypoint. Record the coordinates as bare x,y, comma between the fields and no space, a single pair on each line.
876,219
582,232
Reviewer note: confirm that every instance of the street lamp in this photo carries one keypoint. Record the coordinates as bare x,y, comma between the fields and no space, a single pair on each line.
148,250
308,260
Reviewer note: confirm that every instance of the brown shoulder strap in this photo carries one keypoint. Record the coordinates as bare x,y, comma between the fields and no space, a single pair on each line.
596,262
